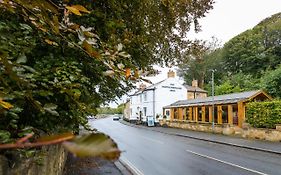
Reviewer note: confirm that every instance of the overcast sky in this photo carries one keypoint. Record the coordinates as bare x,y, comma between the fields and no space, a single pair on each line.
229,18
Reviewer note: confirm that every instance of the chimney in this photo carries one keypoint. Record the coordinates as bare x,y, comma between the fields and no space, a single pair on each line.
142,86
171,74
194,83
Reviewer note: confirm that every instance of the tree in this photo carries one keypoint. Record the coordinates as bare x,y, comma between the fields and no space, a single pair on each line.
254,50
60,60
271,82
199,62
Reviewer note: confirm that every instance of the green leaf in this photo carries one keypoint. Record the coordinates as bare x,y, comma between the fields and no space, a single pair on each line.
4,136
50,107
22,59
95,144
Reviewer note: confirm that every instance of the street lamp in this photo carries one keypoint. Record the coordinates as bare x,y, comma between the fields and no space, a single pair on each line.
213,101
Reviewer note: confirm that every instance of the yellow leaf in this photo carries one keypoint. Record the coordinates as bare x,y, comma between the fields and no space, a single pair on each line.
74,10
81,8
5,105
51,42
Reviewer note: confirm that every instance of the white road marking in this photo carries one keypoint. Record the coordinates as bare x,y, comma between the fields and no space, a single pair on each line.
135,170
153,140
228,163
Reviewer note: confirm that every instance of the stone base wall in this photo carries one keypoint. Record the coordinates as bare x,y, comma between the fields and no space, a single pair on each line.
246,131
52,162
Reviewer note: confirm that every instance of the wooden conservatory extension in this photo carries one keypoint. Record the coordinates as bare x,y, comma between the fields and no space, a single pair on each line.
229,109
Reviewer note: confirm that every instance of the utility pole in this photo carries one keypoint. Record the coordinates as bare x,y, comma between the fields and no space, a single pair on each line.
213,102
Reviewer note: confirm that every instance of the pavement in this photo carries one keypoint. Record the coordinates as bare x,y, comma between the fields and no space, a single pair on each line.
253,144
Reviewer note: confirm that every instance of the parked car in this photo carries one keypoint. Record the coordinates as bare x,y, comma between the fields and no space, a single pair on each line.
116,117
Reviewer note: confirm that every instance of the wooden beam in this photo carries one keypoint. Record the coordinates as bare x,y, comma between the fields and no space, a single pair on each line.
219,112
210,114
172,114
230,114
180,115
184,113
195,114
190,113
241,113
203,114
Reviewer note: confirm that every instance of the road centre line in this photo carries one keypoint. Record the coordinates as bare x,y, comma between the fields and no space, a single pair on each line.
131,167
228,163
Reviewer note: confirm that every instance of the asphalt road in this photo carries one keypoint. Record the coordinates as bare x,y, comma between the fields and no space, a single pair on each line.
152,153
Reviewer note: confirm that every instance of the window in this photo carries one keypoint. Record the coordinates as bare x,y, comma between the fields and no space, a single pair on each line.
224,114
199,114
186,113
144,111
176,113
145,96
207,114
167,113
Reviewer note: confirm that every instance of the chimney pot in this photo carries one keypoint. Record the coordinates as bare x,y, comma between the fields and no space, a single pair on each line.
171,74
194,83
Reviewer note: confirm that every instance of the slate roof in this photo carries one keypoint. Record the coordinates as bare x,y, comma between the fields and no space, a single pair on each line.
221,99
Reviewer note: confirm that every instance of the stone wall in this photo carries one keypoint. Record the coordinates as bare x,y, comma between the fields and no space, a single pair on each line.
246,131
52,162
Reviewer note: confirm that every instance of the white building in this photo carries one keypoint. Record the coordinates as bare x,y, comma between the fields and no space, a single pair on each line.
149,101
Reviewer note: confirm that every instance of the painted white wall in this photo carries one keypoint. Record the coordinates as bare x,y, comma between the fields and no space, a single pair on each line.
164,93
168,92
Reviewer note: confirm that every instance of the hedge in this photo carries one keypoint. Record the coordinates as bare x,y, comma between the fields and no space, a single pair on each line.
264,114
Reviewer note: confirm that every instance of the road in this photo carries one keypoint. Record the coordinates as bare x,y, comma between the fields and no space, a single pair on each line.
153,153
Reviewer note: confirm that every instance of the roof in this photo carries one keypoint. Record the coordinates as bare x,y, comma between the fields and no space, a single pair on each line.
194,89
151,87
221,99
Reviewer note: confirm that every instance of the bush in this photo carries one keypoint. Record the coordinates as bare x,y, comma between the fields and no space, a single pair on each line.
264,114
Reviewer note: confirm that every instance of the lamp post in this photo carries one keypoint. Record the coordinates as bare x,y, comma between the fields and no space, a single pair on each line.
213,102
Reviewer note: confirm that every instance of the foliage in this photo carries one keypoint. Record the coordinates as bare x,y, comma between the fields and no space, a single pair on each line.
271,82
249,61
255,50
109,110
264,114
226,88
199,63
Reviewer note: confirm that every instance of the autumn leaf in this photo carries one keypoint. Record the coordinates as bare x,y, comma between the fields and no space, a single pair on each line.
5,105
88,47
93,145
81,8
74,10
51,42
127,72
